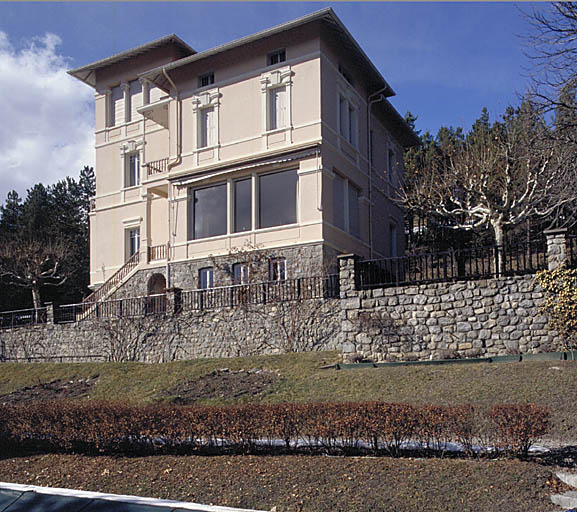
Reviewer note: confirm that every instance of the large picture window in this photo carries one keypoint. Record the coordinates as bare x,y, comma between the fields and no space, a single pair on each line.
207,210
278,199
242,205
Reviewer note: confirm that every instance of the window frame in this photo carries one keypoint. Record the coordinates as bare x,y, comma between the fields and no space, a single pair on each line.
209,75
243,277
259,201
192,211
277,269
279,54
132,233
128,171
209,273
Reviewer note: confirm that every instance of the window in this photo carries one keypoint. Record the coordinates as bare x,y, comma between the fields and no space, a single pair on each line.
133,241
132,170
277,269
207,128
354,210
339,201
116,105
276,57
207,211
206,79
240,272
348,120
346,205
206,278
242,205
134,99
278,199
277,103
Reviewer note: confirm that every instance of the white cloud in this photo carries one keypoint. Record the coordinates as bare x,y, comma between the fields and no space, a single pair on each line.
46,116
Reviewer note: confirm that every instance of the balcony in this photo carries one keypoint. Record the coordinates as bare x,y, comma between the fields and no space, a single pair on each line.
156,167
157,252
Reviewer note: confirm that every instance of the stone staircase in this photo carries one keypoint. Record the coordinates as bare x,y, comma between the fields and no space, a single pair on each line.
113,283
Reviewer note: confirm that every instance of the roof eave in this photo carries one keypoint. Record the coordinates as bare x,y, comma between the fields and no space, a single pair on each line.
87,73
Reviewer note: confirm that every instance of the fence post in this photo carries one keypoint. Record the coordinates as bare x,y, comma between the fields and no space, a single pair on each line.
173,301
556,247
347,274
49,313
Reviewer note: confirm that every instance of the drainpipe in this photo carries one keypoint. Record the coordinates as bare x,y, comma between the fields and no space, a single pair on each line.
171,164
378,97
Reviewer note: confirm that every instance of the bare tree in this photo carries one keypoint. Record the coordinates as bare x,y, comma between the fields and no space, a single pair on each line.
499,176
552,46
33,264
294,312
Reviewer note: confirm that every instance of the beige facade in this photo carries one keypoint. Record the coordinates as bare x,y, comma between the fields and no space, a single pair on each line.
265,141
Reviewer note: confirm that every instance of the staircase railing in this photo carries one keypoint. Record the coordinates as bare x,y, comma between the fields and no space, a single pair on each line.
115,279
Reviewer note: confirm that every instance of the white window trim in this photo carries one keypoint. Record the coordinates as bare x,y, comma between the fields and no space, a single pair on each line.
127,230
129,148
281,77
207,99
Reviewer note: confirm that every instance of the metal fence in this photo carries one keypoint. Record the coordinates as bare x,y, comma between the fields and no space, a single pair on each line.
302,288
117,308
21,317
453,265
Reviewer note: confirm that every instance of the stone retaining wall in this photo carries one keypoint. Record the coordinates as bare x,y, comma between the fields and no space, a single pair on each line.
445,320
226,332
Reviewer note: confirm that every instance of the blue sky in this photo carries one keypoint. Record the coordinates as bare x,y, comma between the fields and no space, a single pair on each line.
446,61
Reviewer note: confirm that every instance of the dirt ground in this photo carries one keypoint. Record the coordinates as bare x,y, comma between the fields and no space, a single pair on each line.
54,390
222,384
300,483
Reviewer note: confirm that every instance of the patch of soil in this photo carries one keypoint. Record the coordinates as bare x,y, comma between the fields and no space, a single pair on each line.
55,390
224,384
301,484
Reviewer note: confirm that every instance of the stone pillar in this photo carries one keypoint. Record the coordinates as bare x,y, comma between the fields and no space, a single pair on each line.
49,313
556,247
347,278
350,304
173,301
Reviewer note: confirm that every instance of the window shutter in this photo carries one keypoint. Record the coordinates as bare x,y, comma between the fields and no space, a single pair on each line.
282,107
272,110
212,135
343,117
117,106
135,99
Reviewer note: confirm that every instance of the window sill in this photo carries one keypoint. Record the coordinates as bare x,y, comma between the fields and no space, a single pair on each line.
245,233
276,130
206,148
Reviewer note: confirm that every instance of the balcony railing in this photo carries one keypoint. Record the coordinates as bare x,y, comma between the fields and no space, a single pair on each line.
157,167
157,252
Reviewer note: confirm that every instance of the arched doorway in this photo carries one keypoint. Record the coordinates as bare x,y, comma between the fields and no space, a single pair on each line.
156,302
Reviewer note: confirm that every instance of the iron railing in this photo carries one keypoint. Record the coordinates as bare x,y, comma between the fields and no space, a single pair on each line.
452,265
118,308
114,280
267,292
21,317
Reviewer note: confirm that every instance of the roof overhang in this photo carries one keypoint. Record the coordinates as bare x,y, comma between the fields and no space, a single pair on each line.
158,77
87,74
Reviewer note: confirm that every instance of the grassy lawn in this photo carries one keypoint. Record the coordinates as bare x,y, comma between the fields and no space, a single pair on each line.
319,484
302,379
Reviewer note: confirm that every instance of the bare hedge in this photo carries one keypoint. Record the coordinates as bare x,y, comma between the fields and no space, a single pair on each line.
336,428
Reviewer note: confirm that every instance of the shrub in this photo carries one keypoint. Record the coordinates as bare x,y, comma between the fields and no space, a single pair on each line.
518,426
